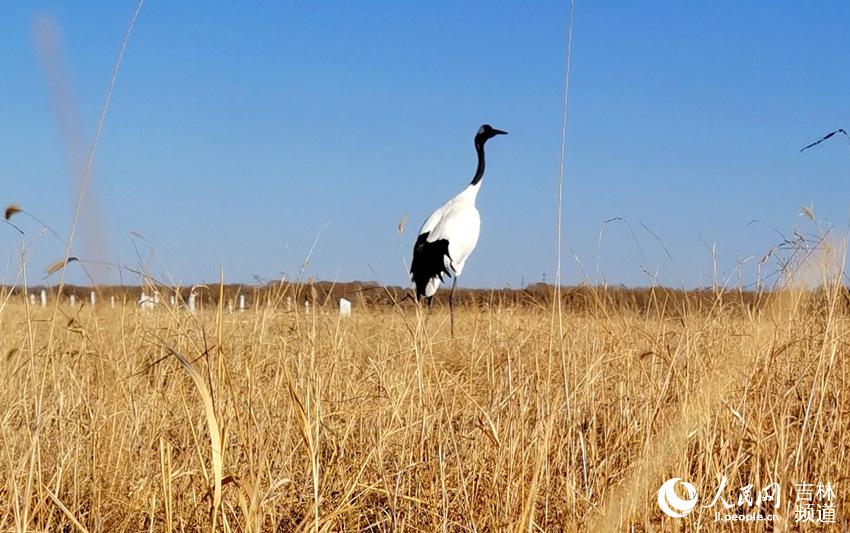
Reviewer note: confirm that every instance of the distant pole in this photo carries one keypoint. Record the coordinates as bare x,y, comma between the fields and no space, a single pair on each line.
112,301
192,302
344,307
289,303
307,306
72,300
230,305
241,302
147,302
172,301
43,298
92,298
32,299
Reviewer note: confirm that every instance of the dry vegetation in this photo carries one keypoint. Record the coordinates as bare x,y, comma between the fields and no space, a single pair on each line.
383,422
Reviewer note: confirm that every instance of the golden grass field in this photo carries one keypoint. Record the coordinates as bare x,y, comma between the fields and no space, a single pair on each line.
266,420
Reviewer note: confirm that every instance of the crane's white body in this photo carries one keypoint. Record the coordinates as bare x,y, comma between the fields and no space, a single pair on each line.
450,233
458,222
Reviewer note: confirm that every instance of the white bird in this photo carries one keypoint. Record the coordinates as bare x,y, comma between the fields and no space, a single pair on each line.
450,233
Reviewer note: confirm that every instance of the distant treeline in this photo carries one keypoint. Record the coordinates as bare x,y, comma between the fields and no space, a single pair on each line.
369,294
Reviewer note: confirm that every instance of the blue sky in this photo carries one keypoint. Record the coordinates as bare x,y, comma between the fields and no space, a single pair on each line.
240,131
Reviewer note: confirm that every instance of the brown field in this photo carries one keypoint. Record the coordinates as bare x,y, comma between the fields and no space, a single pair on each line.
268,420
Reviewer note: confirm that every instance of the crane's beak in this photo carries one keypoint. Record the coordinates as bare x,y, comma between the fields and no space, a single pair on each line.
499,132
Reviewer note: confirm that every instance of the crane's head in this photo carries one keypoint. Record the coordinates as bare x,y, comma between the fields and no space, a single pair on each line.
487,132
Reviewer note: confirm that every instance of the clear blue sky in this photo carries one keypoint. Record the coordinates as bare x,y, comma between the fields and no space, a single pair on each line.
238,130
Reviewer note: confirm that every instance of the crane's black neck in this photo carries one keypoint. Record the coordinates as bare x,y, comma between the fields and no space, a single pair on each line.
479,172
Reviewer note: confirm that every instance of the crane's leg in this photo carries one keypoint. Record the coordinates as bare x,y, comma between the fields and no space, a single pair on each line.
451,305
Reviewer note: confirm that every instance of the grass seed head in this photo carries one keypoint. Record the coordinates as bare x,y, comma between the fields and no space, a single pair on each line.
59,265
11,210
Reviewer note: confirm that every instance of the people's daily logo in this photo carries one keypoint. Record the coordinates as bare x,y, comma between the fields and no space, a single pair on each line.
670,502
813,502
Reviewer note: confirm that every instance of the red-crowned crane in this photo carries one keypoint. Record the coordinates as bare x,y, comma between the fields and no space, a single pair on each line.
450,233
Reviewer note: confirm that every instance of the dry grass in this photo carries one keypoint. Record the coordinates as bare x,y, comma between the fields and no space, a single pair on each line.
384,422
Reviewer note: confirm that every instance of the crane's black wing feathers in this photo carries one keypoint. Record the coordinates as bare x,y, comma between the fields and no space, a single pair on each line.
428,261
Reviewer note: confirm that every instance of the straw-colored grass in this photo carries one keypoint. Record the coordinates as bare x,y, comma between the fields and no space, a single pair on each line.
384,422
